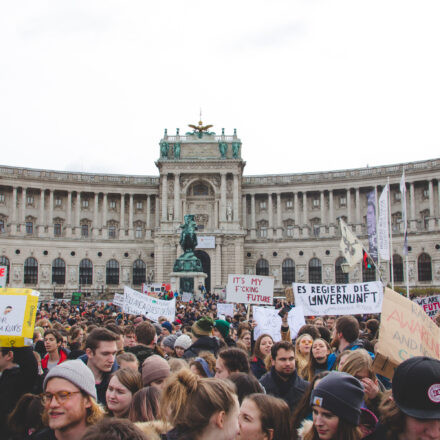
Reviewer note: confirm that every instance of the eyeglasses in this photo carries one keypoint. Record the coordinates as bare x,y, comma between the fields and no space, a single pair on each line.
61,396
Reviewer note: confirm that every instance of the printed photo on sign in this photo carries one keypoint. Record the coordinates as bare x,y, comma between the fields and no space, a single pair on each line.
250,289
339,299
12,310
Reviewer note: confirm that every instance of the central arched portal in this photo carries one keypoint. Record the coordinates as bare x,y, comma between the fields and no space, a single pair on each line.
206,265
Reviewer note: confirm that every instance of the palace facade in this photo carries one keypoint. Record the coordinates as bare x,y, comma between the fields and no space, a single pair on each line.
62,232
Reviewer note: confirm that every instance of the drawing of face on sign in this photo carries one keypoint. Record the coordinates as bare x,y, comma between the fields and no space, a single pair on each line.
8,309
12,309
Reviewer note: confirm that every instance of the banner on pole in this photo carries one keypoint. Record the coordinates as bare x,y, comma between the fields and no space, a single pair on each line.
350,246
118,299
405,331
430,304
250,289
18,308
225,310
383,239
339,299
371,224
136,303
3,276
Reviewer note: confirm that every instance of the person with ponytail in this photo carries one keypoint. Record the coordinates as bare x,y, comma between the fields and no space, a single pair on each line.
199,409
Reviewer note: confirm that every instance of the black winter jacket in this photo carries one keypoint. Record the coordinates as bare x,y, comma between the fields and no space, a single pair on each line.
204,343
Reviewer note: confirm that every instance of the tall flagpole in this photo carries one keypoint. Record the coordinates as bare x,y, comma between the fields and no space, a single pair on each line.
391,234
377,230
405,230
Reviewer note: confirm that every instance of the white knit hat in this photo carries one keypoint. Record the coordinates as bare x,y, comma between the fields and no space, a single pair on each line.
183,341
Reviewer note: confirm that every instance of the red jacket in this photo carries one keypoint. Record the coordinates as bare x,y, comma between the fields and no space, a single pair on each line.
45,360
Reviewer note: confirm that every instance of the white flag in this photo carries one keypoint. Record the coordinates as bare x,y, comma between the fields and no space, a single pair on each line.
404,220
350,246
383,232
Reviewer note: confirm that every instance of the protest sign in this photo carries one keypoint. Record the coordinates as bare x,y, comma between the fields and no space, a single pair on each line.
118,299
268,321
137,303
186,297
18,308
250,289
3,276
295,319
339,299
430,304
405,331
225,310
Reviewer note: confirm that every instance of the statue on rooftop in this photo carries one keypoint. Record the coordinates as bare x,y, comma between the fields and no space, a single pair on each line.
236,150
177,150
223,147
164,147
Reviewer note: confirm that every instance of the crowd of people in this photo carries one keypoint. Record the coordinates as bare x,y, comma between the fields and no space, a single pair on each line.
95,373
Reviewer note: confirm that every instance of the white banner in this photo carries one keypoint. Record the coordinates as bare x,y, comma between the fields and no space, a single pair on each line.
187,297
118,299
339,299
250,289
3,275
205,242
430,304
268,321
383,233
136,303
225,310
296,320
350,246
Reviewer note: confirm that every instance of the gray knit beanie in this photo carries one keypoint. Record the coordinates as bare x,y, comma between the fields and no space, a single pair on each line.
76,372
169,341
183,341
154,368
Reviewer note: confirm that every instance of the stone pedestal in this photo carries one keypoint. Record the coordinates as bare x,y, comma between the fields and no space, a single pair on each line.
198,279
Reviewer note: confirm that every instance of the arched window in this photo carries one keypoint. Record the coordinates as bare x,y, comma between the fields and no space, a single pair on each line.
112,272
424,267
262,267
139,272
340,276
85,272
315,271
4,261
58,271
31,271
368,273
288,269
397,268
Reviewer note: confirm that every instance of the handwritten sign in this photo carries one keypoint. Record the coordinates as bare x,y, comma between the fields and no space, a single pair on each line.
225,310
18,308
295,319
137,303
3,276
405,331
268,321
250,289
339,299
118,299
430,304
186,297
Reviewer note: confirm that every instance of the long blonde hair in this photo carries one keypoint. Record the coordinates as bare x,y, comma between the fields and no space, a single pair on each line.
301,361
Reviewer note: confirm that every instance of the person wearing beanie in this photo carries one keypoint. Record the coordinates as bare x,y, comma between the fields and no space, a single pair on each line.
155,370
167,328
168,345
183,342
203,341
69,400
221,331
336,401
412,411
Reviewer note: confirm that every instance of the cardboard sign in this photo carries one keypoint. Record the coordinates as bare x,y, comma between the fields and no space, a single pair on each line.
118,299
225,310
405,331
250,289
137,303
430,304
3,276
296,320
18,308
268,321
339,299
187,297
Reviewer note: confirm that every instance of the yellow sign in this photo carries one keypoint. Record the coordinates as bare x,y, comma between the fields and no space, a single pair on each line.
18,308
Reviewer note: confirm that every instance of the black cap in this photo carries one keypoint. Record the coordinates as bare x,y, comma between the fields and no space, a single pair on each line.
416,387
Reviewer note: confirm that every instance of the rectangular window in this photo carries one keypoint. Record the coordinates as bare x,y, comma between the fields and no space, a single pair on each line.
263,232
30,200
85,203
58,202
138,232
112,204
426,193
139,205
263,205
84,230
2,198
111,232
289,203
29,228
57,229
342,201
289,231
315,203
2,226
397,196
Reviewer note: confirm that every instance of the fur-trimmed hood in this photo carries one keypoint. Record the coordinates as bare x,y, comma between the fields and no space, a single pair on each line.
306,427
154,429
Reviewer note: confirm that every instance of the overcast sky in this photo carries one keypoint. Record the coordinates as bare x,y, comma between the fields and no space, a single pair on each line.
310,85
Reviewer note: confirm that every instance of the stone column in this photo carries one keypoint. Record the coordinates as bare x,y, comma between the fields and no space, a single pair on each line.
438,191
14,211
148,219
431,221
358,212
49,221
305,217
331,219
323,219
279,219
156,217
218,262
130,218
235,199
23,208
177,197
104,212
69,214
253,222
223,198
78,215
348,196
412,208
41,215
296,228
243,213
216,215
95,228
122,218
164,197
270,215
